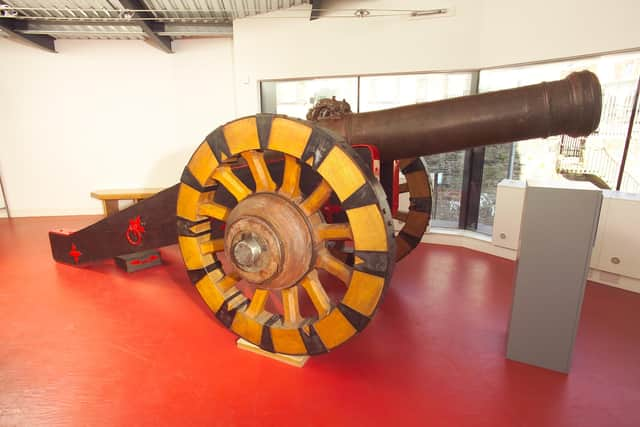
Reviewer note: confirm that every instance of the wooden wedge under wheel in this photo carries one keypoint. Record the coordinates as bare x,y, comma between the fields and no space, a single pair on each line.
415,219
256,244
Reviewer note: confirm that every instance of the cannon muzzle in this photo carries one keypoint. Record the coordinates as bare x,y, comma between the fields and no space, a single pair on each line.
569,106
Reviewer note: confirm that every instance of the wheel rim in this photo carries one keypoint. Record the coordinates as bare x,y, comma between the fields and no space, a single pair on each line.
415,221
276,239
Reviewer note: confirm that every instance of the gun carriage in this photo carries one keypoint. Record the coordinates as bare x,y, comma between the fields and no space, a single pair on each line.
284,229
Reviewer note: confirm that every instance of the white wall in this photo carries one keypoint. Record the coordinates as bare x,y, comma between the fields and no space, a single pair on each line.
105,114
481,33
108,114
288,48
517,31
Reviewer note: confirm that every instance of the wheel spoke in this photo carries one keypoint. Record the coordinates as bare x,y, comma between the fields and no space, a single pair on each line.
401,216
258,302
228,281
259,170
291,177
225,176
403,187
334,266
291,306
212,246
341,231
316,292
318,198
213,210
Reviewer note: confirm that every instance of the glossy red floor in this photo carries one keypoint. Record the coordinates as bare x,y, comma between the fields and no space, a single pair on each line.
96,346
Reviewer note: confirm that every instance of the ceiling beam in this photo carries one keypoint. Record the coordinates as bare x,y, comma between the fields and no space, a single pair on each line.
316,9
188,29
122,22
79,21
12,27
161,42
53,27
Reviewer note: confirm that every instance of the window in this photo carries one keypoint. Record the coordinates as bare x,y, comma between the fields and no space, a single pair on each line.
295,97
631,174
465,182
446,170
382,92
596,158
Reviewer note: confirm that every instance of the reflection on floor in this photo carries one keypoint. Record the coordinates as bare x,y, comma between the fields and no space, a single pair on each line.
96,346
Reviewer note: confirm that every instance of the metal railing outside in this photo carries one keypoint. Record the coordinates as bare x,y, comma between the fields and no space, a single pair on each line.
575,157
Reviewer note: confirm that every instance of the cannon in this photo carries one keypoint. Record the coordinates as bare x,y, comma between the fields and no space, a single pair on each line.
284,229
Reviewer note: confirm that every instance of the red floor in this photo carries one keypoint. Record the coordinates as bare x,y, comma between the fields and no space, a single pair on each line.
96,346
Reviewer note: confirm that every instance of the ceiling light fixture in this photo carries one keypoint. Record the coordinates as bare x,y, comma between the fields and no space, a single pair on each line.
429,12
126,14
8,11
362,13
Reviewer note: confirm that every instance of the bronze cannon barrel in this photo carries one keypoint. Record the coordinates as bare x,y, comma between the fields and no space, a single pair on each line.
569,106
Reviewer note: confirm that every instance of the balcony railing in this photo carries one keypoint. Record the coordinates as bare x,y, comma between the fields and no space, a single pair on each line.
578,161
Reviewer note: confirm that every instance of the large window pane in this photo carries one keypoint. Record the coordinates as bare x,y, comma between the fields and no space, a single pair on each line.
596,158
631,177
295,97
382,92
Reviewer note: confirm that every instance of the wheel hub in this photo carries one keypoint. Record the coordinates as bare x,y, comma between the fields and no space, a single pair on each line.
247,252
269,241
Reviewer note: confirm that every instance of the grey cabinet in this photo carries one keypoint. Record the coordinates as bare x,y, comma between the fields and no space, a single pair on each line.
556,239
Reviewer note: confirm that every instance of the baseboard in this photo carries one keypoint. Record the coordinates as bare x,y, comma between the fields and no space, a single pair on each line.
467,239
630,284
482,243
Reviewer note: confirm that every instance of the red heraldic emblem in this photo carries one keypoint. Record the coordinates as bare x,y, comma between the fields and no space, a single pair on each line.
75,253
135,231
144,261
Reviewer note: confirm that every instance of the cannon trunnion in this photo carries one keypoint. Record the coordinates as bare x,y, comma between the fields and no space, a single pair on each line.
285,231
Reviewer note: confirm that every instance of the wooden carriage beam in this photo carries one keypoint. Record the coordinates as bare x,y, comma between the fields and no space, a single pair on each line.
12,27
151,30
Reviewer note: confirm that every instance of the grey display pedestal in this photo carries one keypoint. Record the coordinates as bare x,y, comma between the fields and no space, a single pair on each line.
556,239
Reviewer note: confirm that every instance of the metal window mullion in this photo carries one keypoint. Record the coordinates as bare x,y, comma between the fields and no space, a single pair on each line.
627,141
512,160
358,94
471,176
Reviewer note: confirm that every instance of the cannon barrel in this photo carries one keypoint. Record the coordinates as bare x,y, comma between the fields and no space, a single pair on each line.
569,106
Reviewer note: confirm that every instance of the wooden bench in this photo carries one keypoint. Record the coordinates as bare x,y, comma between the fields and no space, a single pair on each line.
110,198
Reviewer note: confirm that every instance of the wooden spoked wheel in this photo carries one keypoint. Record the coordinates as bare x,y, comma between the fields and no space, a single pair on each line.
416,219
275,241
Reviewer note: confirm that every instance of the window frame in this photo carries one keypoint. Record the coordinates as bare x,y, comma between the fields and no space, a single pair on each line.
474,159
